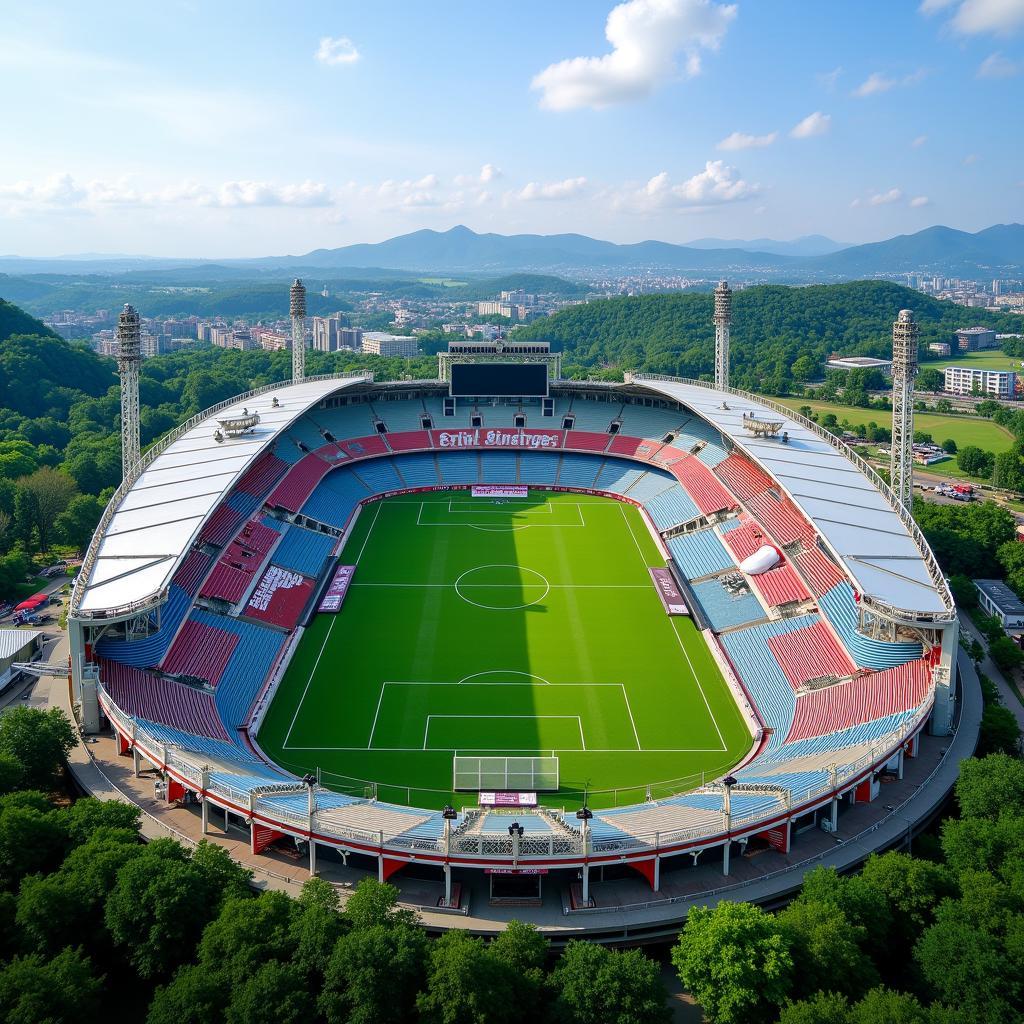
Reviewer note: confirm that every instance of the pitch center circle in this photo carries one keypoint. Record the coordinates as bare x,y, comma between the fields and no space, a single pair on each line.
502,588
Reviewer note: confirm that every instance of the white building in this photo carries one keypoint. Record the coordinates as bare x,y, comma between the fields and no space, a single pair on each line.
861,363
967,380
997,599
379,343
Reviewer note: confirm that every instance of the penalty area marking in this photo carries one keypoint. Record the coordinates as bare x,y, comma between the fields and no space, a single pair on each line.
532,718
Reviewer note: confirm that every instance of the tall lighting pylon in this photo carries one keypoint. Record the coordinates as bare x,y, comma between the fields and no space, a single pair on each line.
129,358
722,319
298,314
904,370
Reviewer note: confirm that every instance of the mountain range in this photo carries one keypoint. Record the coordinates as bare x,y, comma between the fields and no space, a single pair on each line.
997,251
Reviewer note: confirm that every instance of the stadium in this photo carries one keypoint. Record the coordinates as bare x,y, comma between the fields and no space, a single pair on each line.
503,623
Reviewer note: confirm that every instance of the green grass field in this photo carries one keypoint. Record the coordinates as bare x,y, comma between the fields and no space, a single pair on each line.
965,430
990,359
520,629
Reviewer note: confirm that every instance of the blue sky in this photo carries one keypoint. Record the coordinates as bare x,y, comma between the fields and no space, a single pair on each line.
237,129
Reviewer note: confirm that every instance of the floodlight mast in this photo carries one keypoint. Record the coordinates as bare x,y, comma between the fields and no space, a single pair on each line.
129,360
722,321
904,371
298,314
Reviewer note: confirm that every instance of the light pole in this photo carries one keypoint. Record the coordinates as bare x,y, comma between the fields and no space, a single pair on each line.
309,781
515,830
729,781
583,815
449,814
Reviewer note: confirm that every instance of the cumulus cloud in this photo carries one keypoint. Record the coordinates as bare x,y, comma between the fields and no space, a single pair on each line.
738,140
647,37
813,124
886,198
566,189
63,190
877,82
920,201
919,141
976,17
995,65
717,184
487,174
335,50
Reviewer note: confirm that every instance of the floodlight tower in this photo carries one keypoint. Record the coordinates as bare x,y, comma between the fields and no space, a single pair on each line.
722,319
129,358
904,370
298,314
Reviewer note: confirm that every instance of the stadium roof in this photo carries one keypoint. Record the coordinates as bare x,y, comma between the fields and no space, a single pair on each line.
164,509
855,519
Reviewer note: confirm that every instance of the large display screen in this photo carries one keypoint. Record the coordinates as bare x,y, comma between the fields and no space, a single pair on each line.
498,380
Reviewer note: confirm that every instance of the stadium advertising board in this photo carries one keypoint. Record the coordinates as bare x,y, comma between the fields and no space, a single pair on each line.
669,593
515,871
486,437
500,491
499,799
335,593
280,596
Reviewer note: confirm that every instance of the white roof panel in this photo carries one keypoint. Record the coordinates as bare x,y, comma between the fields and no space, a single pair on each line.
854,518
157,520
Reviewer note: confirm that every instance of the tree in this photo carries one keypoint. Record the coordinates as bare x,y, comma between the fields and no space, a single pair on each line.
374,974
50,492
372,903
991,786
1008,469
39,740
1005,653
821,1008
736,960
88,816
194,996
247,933
804,368
949,446
828,949
965,593
592,984
60,989
316,927
975,462
523,950
76,524
275,994
1000,733
32,836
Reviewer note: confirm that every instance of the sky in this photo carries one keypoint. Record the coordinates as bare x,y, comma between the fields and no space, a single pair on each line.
250,129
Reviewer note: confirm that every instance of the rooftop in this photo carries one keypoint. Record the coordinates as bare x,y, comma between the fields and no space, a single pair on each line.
855,519
155,522
1001,596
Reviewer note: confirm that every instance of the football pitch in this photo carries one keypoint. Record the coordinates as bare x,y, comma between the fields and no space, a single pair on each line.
522,627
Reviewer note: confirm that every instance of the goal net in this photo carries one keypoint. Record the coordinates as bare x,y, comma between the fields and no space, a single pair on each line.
533,774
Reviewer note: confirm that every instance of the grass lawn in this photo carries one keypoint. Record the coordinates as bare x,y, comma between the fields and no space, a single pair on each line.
990,359
965,430
523,628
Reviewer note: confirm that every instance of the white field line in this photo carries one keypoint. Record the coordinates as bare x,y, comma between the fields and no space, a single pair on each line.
532,718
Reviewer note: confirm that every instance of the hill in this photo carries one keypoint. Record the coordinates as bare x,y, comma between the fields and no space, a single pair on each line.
16,321
462,249
997,251
800,248
773,327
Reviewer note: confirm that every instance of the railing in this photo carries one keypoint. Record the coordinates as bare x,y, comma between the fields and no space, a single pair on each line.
190,766
82,580
868,470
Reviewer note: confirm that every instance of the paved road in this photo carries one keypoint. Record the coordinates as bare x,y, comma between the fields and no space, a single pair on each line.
988,667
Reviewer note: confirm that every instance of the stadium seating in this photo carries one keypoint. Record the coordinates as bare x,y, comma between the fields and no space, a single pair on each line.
304,551
228,582
460,467
699,554
247,668
335,497
780,585
538,468
617,476
398,416
586,440
743,536
265,471
578,470
200,651
704,489
408,440
840,608
819,571
378,475
417,470
355,420
861,700
810,653
670,507
595,416
192,571
148,651
221,526
299,483
144,695
833,743
499,467
723,610
233,758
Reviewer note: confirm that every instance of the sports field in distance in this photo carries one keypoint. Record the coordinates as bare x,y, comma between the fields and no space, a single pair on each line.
512,628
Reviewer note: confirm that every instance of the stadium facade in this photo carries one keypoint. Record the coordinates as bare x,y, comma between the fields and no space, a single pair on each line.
838,657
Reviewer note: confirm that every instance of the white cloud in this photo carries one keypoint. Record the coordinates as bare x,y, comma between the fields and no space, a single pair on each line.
55,190
971,158
894,195
740,141
919,141
995,65
335,50
263,193
566,189
813,124
646,36
876,82
829,78
488,173
918,201
974,17
717,184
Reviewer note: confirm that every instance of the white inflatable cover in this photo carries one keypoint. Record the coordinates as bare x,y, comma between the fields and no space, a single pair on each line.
763,559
